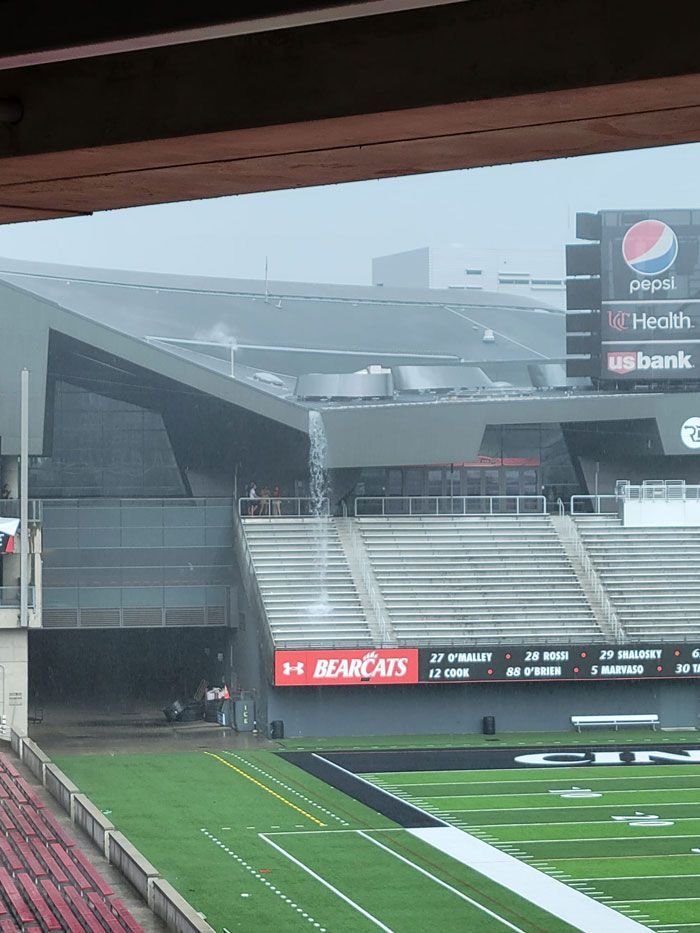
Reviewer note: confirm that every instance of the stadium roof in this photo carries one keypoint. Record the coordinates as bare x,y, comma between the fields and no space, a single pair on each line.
377,361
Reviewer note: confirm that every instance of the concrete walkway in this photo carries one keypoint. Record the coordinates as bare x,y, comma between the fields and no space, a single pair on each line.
570,905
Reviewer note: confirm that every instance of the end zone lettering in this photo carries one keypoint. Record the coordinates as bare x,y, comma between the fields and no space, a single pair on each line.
340,668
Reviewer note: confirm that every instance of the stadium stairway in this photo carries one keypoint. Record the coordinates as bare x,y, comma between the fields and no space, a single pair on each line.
477,579
304,578
651,575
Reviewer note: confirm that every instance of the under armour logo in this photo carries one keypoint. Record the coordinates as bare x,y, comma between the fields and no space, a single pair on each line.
289,668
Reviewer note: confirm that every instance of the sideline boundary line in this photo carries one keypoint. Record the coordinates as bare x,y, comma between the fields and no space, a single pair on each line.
443,884
326,884
264,787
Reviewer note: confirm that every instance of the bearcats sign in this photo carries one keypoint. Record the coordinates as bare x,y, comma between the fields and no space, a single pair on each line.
352,666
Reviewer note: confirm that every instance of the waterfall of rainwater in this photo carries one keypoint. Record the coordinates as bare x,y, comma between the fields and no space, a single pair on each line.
318,492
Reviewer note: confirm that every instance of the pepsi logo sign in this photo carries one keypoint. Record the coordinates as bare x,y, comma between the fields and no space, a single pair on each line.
650,247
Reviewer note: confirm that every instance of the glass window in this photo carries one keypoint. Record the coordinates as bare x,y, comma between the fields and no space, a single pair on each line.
435,482
473,482
394,486
512,482
492,485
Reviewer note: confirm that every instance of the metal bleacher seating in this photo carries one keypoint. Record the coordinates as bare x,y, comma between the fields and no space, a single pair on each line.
46,883
652,575
305,582
481,579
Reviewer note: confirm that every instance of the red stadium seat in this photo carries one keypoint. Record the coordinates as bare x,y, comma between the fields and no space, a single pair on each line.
6,822
32,864
41,827
81,909
14,899
20,821
9,856
127,920
8,766
8,926
75,876
36,896
59,831
30,793
57,874
13,790
70,922
104,913
97,880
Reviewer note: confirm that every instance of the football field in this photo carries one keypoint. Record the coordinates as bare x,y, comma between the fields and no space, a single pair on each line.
255,842
627,837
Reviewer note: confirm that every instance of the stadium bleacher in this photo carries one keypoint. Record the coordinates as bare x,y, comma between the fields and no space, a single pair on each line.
444,578
652,575
309,593
479,578
46,883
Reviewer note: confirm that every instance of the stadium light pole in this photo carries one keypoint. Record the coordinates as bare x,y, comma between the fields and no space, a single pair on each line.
24,500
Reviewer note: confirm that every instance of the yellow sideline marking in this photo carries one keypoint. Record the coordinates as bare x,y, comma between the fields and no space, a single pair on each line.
265,788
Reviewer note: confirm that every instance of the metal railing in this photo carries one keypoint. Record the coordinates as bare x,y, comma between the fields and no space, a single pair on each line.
10,597
664,490
361,559
9,508
282,507
249,577
596,505
450,505
593,584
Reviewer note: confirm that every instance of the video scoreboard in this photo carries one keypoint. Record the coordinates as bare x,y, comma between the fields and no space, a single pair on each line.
477,664
583,662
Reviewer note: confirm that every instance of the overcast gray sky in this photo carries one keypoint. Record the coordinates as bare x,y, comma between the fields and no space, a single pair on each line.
330,234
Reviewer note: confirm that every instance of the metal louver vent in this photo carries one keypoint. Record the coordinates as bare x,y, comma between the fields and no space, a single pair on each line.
185,617
216,615
143,618
100,618
60,618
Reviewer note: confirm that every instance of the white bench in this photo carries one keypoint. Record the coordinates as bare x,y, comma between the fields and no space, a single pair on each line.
643,719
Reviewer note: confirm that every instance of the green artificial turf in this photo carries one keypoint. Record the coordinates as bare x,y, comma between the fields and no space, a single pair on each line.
504,739
649,872
205,826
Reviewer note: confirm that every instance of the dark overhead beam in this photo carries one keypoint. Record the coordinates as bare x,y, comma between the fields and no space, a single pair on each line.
448,86
79,28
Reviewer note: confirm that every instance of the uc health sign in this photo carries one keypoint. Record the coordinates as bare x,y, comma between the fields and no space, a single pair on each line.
347,667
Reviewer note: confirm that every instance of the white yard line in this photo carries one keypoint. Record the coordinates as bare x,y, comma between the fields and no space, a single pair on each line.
635,877
326,884
547,795
443,884
581,839
550,780
566,806
560,900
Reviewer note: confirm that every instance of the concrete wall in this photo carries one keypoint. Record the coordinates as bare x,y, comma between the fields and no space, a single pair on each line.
427,708
13,681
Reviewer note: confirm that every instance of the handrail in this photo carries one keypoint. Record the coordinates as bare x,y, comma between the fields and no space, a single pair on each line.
450,505
360,556
9,597
9,508
282,507
249,576
594,503
570,532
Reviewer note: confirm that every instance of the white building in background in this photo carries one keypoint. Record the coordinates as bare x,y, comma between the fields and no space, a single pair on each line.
535,273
